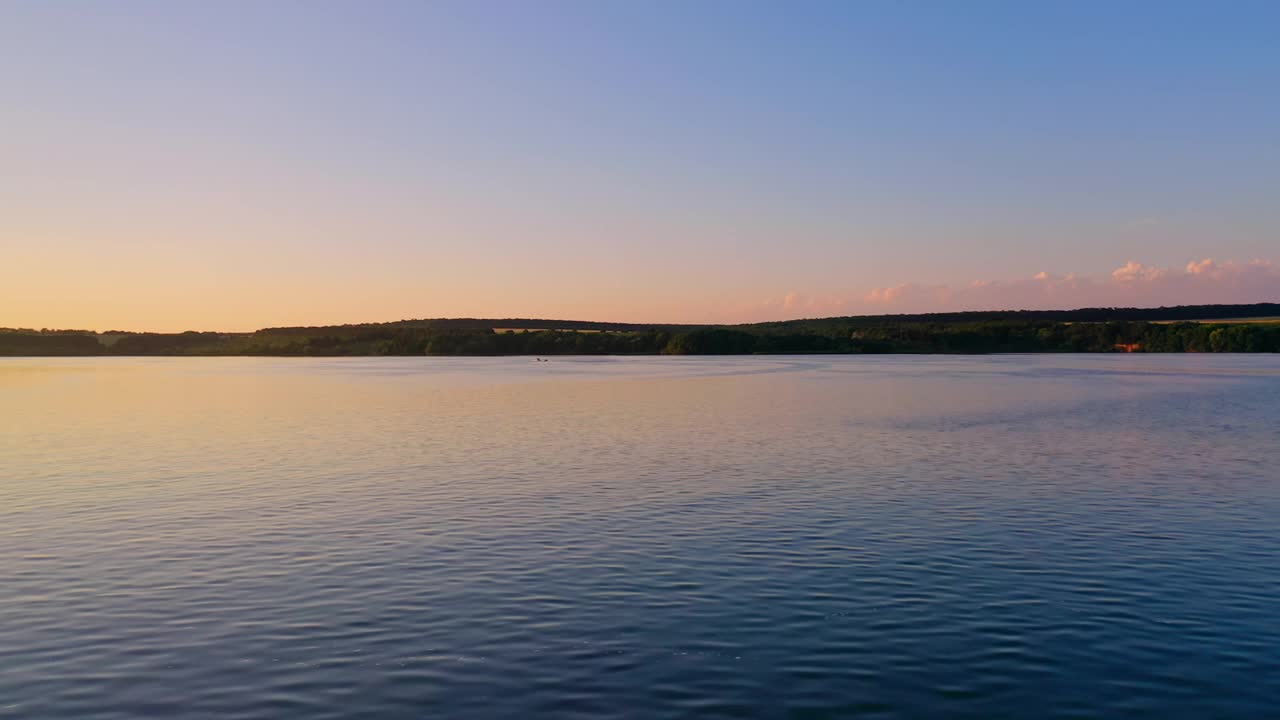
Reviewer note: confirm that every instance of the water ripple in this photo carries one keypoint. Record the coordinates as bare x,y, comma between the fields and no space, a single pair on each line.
962,537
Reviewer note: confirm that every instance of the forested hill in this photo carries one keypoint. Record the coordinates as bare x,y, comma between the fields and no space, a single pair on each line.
1196,328
1160,314
522,324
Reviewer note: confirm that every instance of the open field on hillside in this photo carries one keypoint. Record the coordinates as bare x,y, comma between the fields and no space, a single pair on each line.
525,330
1228,321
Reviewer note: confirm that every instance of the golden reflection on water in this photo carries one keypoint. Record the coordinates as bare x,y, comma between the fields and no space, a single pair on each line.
94,425
215,431
173,527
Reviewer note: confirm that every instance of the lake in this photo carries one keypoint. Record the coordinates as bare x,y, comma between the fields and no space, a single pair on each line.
1058,536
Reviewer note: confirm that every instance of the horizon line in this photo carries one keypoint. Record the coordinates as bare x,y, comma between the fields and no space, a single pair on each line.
935,313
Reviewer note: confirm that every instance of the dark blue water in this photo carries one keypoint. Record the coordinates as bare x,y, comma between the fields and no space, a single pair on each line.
999,537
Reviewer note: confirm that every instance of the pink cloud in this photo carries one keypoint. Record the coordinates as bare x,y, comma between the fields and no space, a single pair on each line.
1136,271
1199,267
792,305
887,295
1200,282
1204,281
910,292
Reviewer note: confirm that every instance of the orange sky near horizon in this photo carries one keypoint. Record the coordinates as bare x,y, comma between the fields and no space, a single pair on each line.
187,166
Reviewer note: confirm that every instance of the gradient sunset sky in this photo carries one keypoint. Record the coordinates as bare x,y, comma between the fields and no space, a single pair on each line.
232,165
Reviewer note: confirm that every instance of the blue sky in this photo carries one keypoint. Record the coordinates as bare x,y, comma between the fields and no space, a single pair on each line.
269,163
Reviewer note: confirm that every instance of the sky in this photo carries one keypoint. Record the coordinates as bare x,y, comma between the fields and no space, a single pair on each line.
180,165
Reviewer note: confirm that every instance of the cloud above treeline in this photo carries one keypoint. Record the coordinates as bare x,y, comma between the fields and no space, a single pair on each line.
1133,284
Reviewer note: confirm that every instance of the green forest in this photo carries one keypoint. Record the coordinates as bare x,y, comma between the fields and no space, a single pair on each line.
1179,329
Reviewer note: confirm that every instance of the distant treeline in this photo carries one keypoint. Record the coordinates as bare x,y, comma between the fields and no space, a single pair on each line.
1160,314
1086,315
1088,330
55,343
484,324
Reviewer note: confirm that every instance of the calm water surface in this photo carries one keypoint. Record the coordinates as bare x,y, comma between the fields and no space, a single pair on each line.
777,537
